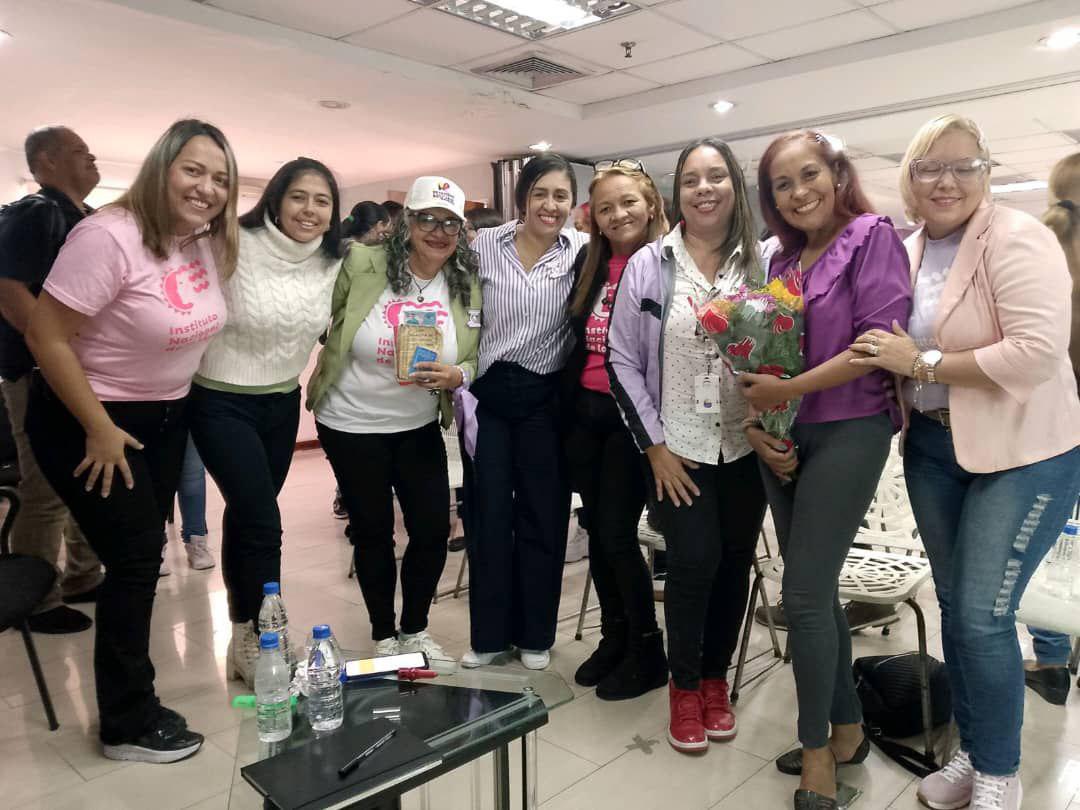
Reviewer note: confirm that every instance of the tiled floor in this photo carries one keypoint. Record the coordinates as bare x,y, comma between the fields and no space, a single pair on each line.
592,755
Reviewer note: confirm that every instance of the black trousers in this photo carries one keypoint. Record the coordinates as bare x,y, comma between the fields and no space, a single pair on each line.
605,467
246,442
370,468
710,546
517,545
126,530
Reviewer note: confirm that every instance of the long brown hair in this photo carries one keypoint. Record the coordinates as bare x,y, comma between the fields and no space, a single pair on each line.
598,253
148,197
1063,218
851,201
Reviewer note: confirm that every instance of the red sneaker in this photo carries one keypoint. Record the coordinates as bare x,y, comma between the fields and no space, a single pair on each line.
719,719
686,731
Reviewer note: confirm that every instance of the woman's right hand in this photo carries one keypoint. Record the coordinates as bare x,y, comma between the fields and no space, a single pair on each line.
779,458
105,448
669,472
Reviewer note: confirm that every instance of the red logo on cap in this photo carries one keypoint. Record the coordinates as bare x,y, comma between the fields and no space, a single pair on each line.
444,186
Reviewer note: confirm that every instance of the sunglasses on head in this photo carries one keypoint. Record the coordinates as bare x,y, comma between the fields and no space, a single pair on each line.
628,164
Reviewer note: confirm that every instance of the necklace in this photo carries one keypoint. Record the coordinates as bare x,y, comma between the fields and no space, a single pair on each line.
419,289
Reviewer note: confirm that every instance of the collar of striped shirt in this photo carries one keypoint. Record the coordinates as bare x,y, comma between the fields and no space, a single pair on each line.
507,232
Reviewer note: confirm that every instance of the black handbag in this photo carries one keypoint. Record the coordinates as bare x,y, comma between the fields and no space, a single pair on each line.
889,688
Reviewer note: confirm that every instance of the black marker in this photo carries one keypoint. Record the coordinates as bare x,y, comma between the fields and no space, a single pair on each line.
354,763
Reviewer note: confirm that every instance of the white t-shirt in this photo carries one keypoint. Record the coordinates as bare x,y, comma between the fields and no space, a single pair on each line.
368,398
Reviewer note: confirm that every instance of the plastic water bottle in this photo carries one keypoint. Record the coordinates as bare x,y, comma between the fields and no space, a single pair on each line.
273,619
273,701
1063,563
325,707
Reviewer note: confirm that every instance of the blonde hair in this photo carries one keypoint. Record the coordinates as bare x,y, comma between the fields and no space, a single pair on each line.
598,252
148,197
924,141
1064,220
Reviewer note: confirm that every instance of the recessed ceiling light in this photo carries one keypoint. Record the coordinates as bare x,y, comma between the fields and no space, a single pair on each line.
1012,188
540,146
333,104
722,106
1062,39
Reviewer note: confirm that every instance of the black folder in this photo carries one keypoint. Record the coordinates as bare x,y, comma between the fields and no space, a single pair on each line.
306,778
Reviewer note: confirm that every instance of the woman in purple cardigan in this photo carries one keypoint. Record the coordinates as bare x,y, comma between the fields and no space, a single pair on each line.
854,278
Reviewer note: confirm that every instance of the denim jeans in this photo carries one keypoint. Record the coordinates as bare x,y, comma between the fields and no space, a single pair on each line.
1051,648
192,494
985,534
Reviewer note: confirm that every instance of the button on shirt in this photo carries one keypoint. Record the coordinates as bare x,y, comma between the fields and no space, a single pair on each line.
525,318
704,438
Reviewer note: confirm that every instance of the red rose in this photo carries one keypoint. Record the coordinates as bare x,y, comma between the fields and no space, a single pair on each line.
713,322
776,371
793,282
742,348
783,323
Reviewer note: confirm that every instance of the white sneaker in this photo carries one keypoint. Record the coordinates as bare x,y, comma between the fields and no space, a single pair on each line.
950,788
422,642
473,659
387,646
199,556
163,569
996,792
536,659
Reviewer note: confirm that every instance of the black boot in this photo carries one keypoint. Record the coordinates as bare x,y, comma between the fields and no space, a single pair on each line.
607,655
643,668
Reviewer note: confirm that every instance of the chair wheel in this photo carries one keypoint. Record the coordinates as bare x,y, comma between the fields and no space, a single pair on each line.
885,631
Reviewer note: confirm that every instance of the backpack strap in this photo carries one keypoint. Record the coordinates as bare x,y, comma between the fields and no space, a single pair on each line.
914,762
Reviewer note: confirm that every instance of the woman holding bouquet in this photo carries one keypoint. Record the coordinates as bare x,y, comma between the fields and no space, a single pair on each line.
704,477
990,453
625,213
854,277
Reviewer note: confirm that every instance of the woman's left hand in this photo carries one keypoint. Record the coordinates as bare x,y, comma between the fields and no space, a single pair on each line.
764,391
893,351
436,376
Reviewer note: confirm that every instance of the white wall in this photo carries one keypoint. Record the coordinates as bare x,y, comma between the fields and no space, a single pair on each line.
474,178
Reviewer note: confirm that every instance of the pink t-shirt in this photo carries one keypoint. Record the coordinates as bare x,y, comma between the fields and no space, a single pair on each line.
149,319
594,376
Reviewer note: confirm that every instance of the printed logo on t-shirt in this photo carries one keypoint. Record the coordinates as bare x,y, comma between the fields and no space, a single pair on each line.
180,286
392,317
596,327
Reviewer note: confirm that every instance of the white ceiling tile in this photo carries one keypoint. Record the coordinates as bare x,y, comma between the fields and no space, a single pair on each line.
820,35
656,38
1023,158
435,37
599,88
1042,140
734,19
912,14
707,62
328,18
873,163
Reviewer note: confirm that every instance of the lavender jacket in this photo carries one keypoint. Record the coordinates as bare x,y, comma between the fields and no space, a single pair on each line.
636,337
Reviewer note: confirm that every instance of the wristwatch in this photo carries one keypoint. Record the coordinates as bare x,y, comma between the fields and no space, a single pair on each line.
926,364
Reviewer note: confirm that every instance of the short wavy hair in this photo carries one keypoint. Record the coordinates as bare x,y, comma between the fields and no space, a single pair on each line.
460,269
924,141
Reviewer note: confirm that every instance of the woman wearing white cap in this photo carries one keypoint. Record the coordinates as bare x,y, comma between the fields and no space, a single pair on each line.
378,420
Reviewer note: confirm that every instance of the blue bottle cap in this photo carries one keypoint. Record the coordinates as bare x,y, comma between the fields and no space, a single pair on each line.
271,588
268,641
320,631
1072,528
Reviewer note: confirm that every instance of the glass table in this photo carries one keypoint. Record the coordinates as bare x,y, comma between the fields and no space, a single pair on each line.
463,714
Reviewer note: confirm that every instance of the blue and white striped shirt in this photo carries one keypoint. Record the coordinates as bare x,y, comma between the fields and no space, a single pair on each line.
525,313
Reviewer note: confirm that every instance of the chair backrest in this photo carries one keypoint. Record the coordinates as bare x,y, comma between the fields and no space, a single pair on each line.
11,496
890,522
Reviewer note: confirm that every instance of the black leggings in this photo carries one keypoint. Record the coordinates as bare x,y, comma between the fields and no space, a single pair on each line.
370,468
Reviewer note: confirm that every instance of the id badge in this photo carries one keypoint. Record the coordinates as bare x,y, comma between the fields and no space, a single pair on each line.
473,321
706,393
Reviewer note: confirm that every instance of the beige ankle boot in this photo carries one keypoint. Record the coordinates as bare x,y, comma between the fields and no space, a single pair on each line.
242,654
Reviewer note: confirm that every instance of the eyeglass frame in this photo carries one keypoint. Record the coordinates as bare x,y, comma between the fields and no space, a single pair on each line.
436,223
627,164
947,166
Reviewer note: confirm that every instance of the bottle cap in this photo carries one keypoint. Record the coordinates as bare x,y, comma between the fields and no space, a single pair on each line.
1072,528
271,588
320,631
268,641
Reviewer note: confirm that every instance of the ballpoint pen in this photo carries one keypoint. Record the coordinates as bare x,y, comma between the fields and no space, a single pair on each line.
354,763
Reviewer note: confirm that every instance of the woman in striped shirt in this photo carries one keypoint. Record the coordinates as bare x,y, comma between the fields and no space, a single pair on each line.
522,503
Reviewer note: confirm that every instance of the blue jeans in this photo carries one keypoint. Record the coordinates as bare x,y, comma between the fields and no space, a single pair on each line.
1051,648
985,534
192,494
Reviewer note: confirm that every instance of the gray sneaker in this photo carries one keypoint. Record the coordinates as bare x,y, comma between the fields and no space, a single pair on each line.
199,556
951,787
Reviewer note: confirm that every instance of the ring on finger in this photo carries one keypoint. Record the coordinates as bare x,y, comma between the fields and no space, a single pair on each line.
875,350
872,340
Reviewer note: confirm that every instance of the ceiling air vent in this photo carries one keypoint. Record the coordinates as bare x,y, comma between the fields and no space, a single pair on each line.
531,71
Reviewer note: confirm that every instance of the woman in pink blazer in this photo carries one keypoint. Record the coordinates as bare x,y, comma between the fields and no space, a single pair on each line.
993,424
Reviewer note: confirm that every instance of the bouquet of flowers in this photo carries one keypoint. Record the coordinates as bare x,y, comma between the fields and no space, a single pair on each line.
761,331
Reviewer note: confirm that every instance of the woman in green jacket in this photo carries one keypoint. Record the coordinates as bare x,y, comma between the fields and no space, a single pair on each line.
378,419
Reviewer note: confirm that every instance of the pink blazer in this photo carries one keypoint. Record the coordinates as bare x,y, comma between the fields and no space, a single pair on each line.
1008,297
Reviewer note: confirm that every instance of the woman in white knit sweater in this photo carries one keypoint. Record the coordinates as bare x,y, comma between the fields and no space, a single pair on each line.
245,403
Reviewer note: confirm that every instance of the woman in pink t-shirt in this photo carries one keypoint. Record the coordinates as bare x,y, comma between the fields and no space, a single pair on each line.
120,327
625,212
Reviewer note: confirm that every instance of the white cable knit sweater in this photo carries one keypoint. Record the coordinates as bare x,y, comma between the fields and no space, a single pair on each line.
279,304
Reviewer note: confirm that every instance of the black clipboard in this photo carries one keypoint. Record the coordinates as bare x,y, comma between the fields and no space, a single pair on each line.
306,778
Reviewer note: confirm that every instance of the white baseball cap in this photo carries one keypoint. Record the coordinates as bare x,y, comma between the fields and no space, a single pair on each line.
436,192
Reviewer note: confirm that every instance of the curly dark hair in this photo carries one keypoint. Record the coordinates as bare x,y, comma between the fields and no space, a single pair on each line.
460,269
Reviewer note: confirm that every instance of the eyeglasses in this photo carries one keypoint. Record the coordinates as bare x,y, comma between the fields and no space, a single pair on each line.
965,170
629,164
428,223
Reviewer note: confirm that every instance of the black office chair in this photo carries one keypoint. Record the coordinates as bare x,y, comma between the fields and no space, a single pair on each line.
24,582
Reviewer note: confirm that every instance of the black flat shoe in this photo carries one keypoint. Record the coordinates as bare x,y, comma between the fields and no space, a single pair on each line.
1052,684
791,762
808,800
